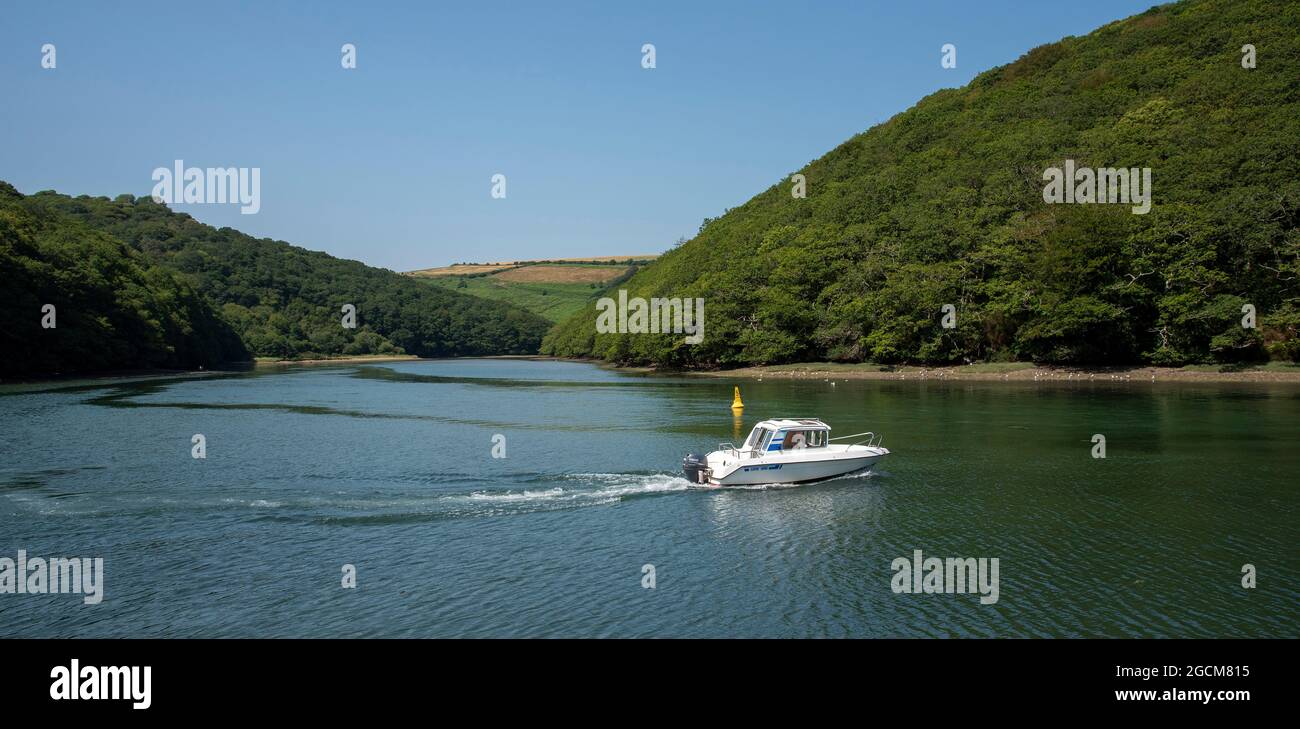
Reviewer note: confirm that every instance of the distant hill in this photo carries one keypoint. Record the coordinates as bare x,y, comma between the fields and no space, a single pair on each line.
284,301
472,269
944,205
112,308
555,289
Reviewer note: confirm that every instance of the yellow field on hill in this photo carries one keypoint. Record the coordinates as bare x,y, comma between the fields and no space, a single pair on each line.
561,274
603,259
461,269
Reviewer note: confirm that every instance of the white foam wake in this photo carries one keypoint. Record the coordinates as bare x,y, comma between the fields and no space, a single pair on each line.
589,487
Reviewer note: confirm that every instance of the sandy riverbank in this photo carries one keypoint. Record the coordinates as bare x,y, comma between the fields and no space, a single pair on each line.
1014,371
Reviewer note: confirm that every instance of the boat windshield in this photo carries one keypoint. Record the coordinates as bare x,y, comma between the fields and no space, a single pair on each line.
796,439
763,440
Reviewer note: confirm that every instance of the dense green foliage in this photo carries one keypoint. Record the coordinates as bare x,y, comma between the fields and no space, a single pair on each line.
943,204
285,301
112,308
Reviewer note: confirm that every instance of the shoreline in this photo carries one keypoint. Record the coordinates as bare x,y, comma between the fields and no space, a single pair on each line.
1008,372
1275,373
355,359
227,368
102,378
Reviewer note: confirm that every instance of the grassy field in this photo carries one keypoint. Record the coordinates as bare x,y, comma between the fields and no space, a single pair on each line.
554,301
554,289
461,269
551,273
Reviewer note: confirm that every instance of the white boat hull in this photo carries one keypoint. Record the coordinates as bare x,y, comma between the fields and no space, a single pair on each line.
791,466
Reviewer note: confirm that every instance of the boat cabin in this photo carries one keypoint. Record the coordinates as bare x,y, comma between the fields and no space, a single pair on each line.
786,434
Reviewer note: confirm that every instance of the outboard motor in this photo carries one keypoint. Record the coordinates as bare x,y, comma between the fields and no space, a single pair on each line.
696,467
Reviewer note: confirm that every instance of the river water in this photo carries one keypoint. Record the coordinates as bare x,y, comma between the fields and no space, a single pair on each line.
390,469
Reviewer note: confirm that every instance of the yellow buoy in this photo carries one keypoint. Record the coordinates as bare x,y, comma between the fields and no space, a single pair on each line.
736,404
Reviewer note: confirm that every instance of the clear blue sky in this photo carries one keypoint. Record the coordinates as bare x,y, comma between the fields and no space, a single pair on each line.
390,163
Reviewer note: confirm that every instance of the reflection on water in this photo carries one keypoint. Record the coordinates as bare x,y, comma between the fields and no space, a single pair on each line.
390,468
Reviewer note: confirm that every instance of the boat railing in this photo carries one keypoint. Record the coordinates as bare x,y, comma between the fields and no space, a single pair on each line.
736,452
872,440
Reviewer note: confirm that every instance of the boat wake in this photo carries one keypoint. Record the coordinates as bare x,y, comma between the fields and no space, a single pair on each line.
584,489
525,493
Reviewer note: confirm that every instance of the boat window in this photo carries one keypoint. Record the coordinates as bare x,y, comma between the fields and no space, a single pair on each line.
796,439
763,441
754,435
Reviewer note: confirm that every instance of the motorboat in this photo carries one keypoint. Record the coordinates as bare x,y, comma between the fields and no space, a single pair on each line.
785,450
